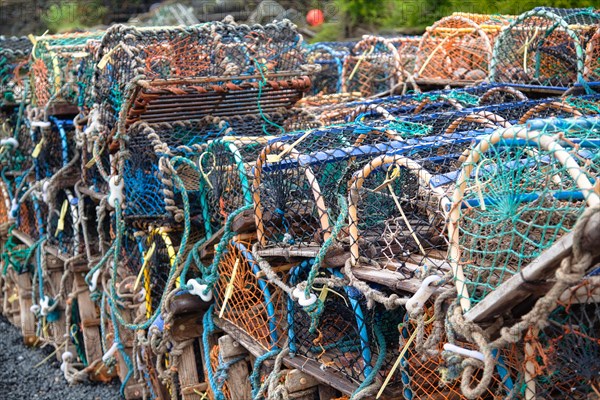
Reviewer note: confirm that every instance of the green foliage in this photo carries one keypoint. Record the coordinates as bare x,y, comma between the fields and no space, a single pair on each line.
329,32
71,16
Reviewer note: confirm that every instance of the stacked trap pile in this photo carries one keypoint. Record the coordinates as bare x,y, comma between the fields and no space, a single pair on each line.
175,215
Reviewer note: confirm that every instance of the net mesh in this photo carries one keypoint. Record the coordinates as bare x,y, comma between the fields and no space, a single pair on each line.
544,47
458,48
513,200
247,300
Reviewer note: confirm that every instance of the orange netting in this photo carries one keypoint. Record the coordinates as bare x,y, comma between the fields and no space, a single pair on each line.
247,300
433,373
458,48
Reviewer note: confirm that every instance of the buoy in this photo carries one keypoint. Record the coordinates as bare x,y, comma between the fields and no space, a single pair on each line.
315,17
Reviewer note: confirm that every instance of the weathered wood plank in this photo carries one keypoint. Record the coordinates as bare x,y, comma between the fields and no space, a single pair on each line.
90,320
238,377
188,374
27,319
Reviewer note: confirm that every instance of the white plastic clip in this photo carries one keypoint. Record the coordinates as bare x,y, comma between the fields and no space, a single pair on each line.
45,305
94,281
199,290
67,357
110,353
10,141
303,300
417,301
464,352
45,187
35,309
40,124
115,190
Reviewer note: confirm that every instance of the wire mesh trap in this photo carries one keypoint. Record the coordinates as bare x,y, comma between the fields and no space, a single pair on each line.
567,353
517,193
343,336
329,79
246,299
372,67
55,60
458,48
175,78
544,47
14,52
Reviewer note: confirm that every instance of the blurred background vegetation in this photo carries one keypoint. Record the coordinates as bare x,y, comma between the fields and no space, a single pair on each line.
343,18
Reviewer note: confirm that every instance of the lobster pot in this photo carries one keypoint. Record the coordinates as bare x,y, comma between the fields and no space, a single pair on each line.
544,47
329,79
570,357
31,217
346,338
592,59
298,178
53,146
85,75
397,216
190,72
226,171
518,192
54,65
14,53
149,190
248,300
427,371
417,104
373,66
407,48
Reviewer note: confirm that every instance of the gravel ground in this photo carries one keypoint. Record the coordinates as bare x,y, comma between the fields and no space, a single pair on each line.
19,379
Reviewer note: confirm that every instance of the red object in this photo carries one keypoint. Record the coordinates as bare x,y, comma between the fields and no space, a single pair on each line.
315,17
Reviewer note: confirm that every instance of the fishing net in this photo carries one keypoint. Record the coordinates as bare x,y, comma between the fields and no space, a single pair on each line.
458,48
329,79
544,47
409,104
5,207
397,217
566,354
219,68
31,217
518,192
298,178
343,336
428,371
55,60
53,145
244,297
14,52
373,66
407,48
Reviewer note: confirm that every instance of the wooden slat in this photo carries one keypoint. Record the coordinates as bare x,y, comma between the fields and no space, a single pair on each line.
303,364
90,323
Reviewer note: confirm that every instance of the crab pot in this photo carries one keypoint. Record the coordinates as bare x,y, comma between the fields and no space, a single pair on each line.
373,66
518,192
31,219
55,60
244,297
397,216
418,104
346,338
190,72
457,48
570,345
53,146
428,371
14,52
544,47
331,60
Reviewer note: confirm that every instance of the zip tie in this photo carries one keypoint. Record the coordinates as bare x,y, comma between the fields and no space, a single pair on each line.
94,280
